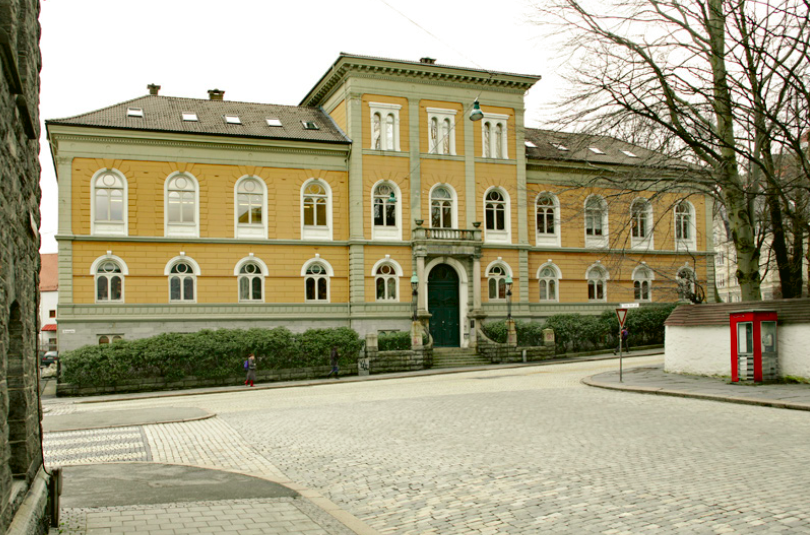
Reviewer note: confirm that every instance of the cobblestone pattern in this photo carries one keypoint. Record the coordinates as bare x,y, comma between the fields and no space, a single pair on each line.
245,517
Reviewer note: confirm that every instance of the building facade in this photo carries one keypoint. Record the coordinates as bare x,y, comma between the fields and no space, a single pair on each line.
181,214
23,479
48,300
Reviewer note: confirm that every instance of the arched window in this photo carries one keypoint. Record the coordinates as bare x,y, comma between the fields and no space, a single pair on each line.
434,135
250,213
182,272
548,276
385,282
597,277
447,136
641,224
317,282
642,284
487,139
498,141
384,125
385,205
596,221
181,206
103,340
316,210
496,275
389,131
495,210
376,131
109,203
685,229
441,208
494,128
109,282
547,217
251,282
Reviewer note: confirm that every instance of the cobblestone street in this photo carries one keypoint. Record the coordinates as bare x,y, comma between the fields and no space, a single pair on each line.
520,450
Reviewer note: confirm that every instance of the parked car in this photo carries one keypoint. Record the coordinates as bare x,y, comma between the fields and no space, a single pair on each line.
49,358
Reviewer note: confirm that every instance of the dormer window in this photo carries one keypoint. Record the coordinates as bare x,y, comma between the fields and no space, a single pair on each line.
190,116
134,112
309,125
233,119
559,146
273,122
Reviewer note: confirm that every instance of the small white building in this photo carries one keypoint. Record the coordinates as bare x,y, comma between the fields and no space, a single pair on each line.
48,297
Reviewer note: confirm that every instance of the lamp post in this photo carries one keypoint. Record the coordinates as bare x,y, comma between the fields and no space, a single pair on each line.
511,331
416,327
508,297
414,293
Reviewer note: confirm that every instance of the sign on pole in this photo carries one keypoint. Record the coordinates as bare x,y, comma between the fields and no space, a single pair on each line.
621,313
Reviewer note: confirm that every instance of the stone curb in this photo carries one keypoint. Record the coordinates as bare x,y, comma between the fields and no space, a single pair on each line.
134,424
663,391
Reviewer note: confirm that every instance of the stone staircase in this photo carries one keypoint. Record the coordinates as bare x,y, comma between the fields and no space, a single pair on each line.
455,357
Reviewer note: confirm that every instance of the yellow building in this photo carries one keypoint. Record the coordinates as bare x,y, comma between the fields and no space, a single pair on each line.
180,214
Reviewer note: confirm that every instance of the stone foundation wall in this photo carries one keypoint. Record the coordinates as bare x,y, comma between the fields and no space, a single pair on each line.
503,353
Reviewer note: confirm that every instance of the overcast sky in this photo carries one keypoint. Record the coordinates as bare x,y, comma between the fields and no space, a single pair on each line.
100,52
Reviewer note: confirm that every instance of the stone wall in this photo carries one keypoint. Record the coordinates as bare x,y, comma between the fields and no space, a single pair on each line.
21,465
503,353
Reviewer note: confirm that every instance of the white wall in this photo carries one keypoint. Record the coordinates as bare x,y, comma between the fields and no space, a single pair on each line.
707,350
47,302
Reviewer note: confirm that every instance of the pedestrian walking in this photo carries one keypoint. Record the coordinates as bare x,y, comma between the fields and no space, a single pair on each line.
250,366
333,359
625,343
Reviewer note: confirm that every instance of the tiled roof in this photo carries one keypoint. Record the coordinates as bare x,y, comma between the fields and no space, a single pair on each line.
548,146
165,114
49,273
49,327
788,311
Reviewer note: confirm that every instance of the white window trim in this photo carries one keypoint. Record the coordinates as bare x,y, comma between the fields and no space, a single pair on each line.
499,236
124,272
384,109
553,240
495,119
385,233
248,231
506,267
264,271
167,271
315,232
604,281
559,276
398,274
597,242
441,114
453,198
329,274
691,243
646,242
181,230
636,276
108,228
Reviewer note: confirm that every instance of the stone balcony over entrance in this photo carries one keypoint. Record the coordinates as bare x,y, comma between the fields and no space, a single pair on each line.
448,241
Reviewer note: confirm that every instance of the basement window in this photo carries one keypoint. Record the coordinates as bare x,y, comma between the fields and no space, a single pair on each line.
273,122
596,150
190,116
309,125
233,119
134,112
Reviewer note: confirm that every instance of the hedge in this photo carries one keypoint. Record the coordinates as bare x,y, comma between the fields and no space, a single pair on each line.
206,354
575,332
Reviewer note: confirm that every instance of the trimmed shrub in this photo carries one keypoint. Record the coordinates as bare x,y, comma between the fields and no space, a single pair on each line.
398,341
205,354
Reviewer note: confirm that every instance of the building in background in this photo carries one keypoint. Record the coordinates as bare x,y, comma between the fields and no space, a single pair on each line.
179,214
48,299
23,479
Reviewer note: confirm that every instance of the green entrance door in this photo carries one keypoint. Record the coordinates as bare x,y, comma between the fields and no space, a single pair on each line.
443,305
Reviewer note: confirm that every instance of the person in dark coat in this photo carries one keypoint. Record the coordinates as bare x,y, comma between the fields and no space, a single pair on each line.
333,360
251,370
625,344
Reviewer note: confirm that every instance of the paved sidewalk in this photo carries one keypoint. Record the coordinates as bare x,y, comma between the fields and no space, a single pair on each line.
654,380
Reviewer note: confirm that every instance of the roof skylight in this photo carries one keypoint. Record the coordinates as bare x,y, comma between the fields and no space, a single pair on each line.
629,154
530,144
309,125
190,116
273,122
233,119
596,150
558,146
134,112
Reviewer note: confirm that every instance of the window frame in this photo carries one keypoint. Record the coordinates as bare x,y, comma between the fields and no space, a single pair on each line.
387,232
491,140
453,205
547,239
385,110
398,273
326,276
498,235
641,218
690,242
642,275
540,279
262,274
109,227
598,267
593,240
194,275
316,232
181,229
440,115
250,230
499,279
123,272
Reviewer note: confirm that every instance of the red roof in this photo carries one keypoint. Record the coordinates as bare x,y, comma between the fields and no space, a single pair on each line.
49,273
49,327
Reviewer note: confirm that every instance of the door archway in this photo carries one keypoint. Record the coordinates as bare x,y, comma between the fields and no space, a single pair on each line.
443,305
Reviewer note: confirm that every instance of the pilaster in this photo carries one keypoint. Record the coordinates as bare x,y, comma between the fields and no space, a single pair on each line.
415,161
520,156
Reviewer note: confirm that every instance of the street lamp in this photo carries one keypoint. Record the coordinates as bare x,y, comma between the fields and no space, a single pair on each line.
476,114
508,297
414,292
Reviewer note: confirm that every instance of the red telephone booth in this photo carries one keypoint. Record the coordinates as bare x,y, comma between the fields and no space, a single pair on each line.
754,355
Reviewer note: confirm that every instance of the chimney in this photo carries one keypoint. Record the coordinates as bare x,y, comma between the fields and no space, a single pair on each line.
216,94
153,89
427,61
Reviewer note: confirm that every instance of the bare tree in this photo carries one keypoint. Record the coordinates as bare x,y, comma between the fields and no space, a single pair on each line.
709,80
